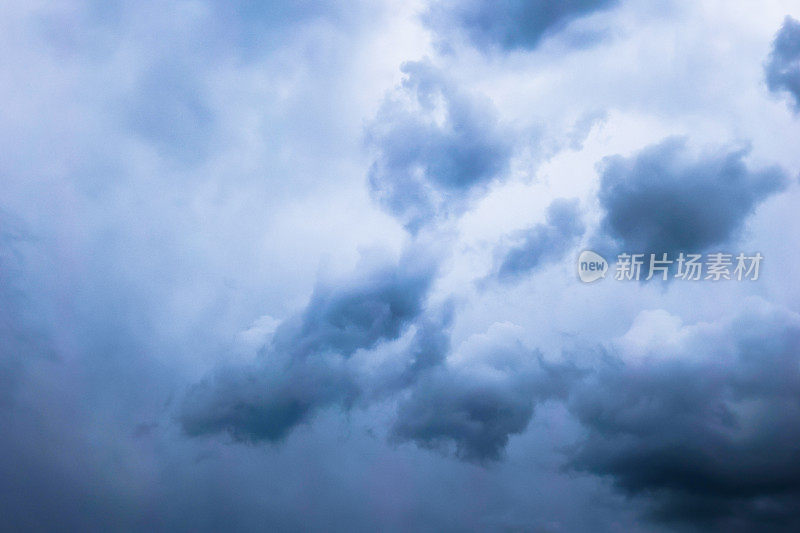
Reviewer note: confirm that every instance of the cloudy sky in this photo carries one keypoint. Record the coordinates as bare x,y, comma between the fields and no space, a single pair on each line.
312,265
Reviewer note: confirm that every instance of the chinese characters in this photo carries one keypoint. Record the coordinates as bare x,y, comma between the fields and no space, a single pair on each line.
689,267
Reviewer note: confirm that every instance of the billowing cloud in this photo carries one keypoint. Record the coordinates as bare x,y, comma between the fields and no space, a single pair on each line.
304,367
544,242
435,146
428,348
783,66
667,199
480,397
705,426
509,24
175,174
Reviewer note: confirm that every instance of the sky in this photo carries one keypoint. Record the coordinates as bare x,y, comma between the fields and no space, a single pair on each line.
313,265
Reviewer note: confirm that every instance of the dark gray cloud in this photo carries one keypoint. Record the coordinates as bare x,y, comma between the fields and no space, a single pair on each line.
544,243
304,367
783,66
477,415
179,174
706,429
509,24
435,146
665,199
376,303
478,399
264,402
428,349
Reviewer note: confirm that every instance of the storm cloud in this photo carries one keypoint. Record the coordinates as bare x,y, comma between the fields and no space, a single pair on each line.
435,146
783,66
304,366
196,333
704,426
544,242
667,199
509,24
485,393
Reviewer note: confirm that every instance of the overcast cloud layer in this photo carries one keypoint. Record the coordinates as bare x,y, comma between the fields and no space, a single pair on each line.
311,266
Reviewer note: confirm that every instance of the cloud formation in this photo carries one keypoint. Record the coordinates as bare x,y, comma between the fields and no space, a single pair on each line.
667,199
508,24
783,65
435,146
705,426
173,170
480,397
546,242
304,366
